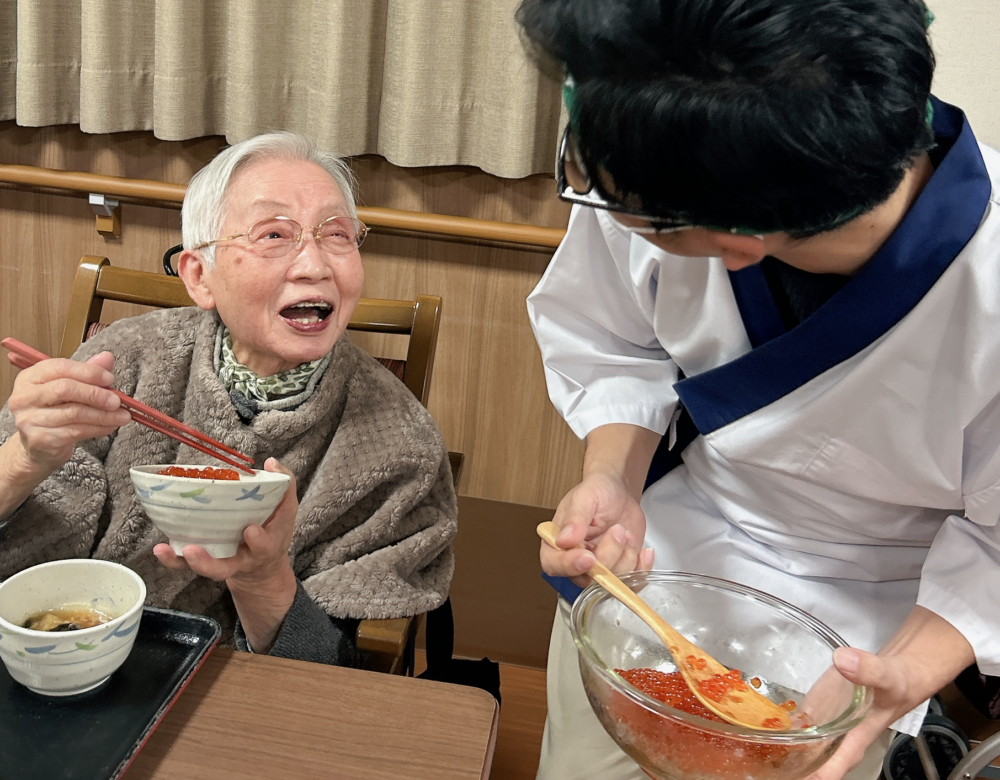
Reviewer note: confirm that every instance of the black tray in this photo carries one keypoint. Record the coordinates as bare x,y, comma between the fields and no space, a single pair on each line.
95,735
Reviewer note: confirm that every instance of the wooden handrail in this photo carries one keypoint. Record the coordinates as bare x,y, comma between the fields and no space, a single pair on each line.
388,219
75,181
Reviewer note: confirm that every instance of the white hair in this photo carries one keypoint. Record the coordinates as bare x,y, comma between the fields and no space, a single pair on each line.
204,209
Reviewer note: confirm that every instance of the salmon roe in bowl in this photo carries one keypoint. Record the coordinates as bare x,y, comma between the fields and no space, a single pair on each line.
643,703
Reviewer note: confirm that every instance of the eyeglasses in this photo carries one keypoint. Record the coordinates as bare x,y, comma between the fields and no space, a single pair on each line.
276,236
576,186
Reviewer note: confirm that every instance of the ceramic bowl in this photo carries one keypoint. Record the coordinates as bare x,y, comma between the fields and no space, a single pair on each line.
69,662
212,513
787,650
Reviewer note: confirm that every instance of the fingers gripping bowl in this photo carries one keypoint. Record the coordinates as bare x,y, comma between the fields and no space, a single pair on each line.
212,513
786,650
63,663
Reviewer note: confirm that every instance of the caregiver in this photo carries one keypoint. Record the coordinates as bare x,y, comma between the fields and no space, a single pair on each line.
782,263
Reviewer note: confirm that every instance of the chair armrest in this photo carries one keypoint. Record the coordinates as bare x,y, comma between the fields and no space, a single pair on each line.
388,636
388,644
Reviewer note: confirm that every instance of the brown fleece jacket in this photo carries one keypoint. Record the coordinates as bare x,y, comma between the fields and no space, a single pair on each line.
377,508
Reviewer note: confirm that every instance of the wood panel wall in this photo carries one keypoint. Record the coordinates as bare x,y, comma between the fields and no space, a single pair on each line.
488,392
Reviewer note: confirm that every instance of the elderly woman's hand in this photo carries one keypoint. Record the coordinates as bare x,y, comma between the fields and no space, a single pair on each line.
58,403
261,557
259,576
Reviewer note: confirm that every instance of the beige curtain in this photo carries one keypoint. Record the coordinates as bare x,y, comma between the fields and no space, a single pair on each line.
421,82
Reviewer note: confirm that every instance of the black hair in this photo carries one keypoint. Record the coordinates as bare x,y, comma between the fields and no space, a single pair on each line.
773,115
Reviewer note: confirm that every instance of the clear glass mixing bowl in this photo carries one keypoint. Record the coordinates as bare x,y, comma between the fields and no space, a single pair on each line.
787,650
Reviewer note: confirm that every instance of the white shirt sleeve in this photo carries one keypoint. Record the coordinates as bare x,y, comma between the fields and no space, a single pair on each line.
960,580
592,314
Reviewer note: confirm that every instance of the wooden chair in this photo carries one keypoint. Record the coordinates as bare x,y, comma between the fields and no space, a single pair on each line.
388,643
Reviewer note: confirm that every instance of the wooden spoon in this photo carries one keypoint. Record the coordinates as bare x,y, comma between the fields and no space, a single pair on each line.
739,704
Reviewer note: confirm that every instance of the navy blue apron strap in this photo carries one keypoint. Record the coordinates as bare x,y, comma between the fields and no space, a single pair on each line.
564,587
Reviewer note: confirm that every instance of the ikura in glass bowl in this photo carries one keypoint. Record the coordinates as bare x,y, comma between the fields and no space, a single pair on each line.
786,654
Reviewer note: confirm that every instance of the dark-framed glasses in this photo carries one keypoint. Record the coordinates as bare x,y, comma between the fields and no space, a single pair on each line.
277,236
576,186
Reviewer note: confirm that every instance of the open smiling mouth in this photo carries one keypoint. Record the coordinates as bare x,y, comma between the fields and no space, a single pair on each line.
307,313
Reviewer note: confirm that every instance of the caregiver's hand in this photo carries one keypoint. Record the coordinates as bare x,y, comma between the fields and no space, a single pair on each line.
57,403
602,513
604,517
924,655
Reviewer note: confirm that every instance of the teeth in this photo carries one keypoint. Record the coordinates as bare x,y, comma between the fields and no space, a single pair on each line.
308,312
314,305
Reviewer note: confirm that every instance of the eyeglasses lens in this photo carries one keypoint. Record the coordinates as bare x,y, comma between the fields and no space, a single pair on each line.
575,186
273,237
342,234
276,237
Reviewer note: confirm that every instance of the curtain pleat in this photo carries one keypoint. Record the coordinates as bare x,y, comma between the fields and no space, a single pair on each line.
455,83
421,82
47,83
189,90
8,59
117,65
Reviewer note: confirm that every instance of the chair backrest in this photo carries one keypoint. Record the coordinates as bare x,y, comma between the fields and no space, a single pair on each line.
98,281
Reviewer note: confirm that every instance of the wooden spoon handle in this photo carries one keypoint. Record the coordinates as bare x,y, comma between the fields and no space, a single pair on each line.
749,709
608,580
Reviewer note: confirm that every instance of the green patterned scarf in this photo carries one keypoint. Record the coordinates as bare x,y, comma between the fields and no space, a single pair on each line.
235,376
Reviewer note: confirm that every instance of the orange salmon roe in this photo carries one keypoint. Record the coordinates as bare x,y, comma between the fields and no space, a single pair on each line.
206,473
694,662
689,751
670,688
719,685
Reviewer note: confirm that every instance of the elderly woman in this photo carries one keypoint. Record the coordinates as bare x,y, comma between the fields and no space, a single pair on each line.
263,364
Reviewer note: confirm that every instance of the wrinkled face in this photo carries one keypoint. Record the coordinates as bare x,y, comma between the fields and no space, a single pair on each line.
287,310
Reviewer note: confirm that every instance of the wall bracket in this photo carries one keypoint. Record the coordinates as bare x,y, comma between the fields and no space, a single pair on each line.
108,215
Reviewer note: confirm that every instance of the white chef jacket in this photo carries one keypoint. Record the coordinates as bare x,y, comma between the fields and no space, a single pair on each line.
850,465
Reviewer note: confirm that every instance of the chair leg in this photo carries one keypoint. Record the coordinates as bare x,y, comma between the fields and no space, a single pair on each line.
410,656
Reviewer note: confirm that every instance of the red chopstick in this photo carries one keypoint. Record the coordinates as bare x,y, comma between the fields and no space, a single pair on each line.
24,356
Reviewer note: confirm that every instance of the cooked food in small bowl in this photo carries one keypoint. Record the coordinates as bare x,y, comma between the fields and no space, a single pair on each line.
66,626
641,700
208,510
70,617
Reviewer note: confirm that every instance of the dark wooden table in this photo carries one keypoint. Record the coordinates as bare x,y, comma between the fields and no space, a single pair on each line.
251,716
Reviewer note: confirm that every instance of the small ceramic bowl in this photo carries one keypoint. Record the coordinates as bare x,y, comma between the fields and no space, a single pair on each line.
69,662
212,513
780,648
